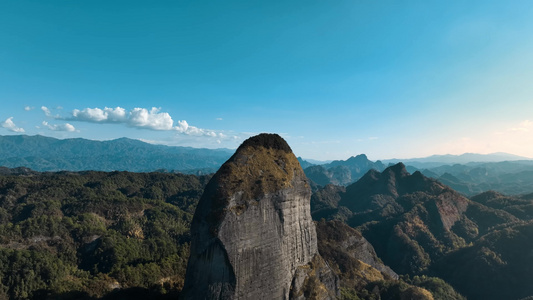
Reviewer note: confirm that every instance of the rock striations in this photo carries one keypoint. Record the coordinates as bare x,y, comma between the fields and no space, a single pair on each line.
252,232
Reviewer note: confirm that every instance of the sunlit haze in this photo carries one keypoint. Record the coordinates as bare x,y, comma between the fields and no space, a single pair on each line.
391,79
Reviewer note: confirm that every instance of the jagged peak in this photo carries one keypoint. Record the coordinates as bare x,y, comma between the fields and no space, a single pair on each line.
372,174
398,169
418,174
399,180
359,157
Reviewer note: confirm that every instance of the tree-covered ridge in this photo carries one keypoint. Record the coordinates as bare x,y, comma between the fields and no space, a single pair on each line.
364,276
421,227
71,235
41,153
508,177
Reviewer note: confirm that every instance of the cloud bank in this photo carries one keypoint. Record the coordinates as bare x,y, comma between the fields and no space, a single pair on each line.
141,118
10,125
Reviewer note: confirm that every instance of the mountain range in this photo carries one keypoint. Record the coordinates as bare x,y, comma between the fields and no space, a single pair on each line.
42,153
391,234
419,226
123,235
469,173
341,172
447,159
508,177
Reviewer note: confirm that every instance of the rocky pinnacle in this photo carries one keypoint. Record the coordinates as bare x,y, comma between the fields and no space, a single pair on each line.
252,232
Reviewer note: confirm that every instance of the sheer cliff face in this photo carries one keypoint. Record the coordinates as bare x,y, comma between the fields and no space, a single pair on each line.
252,233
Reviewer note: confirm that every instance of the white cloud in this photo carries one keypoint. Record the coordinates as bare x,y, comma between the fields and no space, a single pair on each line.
28,108
152,119
9,125
59,127
218,119
46,111
106,115
137,117
182,126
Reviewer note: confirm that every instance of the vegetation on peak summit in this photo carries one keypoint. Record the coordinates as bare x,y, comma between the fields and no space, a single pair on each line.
256,171
266,140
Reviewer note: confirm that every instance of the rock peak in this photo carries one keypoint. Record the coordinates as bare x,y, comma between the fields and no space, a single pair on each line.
361,157
263,164
399,169
252,232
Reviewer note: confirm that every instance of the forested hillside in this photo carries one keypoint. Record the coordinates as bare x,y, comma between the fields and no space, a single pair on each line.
420,227
82,235
122,235
42,153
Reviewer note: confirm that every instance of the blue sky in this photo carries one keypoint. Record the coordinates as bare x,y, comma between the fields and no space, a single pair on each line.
391,79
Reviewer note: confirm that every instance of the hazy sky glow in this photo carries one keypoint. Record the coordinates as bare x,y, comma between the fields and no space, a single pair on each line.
391,79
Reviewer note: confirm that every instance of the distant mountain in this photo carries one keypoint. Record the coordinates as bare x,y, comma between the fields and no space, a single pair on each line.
342,172
317,162
405,216
410,219
339,175
508,177
468,173
359,164
49,154
304,163
438,160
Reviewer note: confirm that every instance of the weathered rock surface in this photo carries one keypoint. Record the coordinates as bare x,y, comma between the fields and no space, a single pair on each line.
252,232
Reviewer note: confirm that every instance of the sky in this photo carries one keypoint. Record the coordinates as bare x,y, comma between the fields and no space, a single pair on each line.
390,79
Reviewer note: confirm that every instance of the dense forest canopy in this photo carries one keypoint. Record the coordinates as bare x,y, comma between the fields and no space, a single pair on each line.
85,234
118,235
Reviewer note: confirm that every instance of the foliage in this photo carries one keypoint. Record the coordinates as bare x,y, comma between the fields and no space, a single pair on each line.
82,235
438,287
420,227
497,266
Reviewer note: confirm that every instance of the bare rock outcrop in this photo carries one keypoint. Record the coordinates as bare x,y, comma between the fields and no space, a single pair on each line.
252,232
